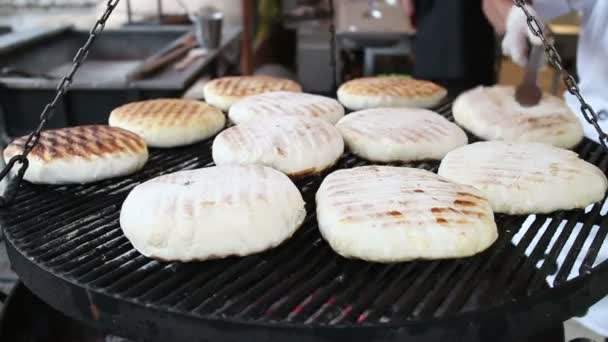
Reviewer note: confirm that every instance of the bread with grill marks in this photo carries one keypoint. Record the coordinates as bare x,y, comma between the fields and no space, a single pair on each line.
169,122
400,134
395,214
390,91
224,92
81,154
212,212
492,113
297,146
526,178
275,103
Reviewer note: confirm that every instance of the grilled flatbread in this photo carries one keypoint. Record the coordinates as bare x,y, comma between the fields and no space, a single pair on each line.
81,154
212,213
393,214
492,113
169,122
391,91
286,103
400,134
224,92
525,178
297,146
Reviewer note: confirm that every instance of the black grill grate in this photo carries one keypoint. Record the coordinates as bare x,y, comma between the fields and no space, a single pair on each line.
73,233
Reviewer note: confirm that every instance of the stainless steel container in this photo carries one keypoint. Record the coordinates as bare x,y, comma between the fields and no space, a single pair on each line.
208,27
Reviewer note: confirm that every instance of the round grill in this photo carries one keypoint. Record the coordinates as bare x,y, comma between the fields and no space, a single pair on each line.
66,244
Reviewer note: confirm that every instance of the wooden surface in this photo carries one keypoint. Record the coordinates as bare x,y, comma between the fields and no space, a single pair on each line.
246,37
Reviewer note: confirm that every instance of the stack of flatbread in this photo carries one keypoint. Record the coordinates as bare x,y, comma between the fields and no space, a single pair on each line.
224,92
390,91
169,122
81,154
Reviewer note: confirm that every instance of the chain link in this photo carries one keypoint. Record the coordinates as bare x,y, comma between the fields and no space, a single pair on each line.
555,59
49,109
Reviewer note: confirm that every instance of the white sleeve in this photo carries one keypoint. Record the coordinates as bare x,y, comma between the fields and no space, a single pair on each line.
550,9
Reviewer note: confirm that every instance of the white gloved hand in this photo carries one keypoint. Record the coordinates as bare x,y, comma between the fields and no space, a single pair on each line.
517,35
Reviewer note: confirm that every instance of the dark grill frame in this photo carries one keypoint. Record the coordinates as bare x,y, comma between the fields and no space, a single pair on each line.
76,259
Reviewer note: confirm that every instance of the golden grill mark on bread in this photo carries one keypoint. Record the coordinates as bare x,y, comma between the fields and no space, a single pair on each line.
224,92
390,92
86,142
163,112
452,212
169,122
81,154
251,85
392,214
394,86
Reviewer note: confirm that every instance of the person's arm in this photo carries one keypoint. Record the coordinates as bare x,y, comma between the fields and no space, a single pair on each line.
497,11
408,7
511,20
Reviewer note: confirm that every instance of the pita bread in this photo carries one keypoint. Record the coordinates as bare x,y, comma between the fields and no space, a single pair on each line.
224,92
393,214
257,107
525,178
492,113
212,213
297,146
391,91
400,134
81,154
169,122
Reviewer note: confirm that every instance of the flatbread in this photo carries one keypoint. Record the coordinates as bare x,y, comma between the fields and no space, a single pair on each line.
390,91
526,178
212,213
224,92
81,154
297,146
492,113
400,134
257,107
394,214
169,122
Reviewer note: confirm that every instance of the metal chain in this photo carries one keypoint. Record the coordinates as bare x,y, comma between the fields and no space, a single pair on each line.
49,109
556,60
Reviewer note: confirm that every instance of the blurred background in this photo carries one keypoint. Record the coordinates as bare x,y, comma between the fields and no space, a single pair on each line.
374,36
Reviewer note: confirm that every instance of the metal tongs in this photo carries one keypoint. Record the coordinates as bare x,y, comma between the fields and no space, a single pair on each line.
528,93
